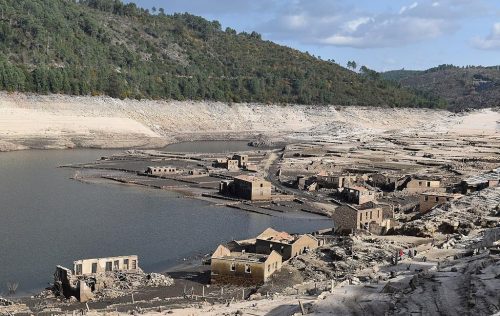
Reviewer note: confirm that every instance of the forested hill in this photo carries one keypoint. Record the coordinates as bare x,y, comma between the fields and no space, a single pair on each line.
462,87
94,47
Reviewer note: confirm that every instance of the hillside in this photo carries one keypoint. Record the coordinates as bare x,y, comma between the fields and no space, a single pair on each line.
105,47
463,88
398,75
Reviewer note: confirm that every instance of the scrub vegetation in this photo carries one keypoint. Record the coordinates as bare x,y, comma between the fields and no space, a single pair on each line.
106,47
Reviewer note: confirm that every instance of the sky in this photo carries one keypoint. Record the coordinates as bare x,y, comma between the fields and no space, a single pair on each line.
380,34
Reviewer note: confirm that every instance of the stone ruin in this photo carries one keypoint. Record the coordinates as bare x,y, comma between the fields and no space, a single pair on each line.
109,284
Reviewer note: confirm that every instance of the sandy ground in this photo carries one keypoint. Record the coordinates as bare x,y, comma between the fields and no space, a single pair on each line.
56,121
481,122
22,122
279,306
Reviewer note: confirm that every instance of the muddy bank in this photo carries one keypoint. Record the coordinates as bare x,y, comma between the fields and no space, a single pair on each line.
56,121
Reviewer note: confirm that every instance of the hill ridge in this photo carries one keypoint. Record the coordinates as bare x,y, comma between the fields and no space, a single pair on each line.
462,87
106,47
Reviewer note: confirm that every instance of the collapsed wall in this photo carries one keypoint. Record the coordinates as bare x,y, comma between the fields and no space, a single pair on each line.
104,285
476,210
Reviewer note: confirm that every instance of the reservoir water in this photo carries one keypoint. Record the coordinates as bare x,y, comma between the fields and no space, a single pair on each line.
48,219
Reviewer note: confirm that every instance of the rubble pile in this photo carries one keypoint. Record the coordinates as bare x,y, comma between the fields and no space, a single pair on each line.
5,302
313,266
10,308
346,257
474,211
158,280
469,284
118,283
115,284
47,293
262,141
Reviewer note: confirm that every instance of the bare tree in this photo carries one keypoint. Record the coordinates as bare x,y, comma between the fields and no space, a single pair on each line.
12,287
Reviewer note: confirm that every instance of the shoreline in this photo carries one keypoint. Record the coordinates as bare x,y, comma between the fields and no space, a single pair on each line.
192,294
62,122
190,264
156,144
188,193
172,263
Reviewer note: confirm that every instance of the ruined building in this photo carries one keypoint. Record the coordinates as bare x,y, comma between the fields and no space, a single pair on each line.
253,261
67,285
161,170
386,181
242,268
358,195
306,183
428,200
286,245
99,265
90,275
335,181
368,216
242,160
225,163
247,187
420,184
480,182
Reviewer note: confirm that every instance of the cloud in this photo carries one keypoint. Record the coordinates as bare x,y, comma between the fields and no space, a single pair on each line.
294,22
344,23
353,25
390,32
410,7
338,23
492,41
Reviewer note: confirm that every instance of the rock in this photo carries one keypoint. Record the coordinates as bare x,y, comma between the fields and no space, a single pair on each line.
255,297
5,302
262,141
459,216
7,146
157,280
